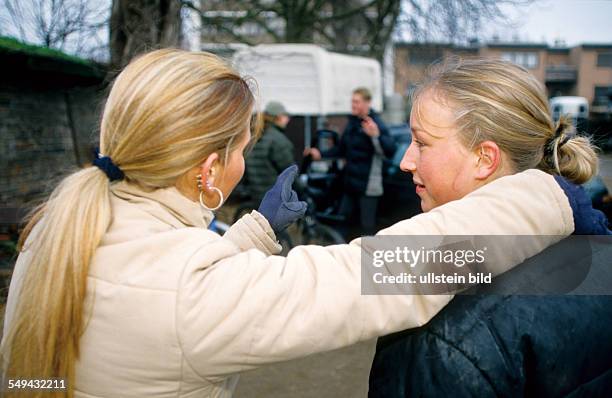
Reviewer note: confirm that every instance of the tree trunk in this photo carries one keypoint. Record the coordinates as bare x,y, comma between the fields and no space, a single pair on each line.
137,26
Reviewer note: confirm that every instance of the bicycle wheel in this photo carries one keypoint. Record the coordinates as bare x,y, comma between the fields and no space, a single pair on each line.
323,235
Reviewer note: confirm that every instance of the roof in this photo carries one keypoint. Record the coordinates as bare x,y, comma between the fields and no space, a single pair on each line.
597,46
506,45
542,46
563,50
423,44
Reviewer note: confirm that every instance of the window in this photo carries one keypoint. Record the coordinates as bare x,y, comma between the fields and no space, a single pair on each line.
603,95
528,60
424,55
604,59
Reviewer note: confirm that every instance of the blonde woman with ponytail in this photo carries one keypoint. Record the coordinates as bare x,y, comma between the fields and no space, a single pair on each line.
121,290
477,121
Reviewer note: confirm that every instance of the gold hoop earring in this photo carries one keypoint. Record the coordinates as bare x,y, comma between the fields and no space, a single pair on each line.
208,186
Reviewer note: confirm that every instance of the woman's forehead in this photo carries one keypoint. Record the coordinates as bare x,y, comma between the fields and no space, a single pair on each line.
432,114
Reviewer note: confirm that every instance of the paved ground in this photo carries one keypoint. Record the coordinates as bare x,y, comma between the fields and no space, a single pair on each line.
338,374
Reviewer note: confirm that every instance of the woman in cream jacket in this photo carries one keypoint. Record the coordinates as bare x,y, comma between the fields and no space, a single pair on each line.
121,290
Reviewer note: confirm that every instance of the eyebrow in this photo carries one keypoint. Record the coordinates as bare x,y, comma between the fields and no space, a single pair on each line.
422,133
416,131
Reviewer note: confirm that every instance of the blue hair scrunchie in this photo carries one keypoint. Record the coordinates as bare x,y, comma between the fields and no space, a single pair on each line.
105,163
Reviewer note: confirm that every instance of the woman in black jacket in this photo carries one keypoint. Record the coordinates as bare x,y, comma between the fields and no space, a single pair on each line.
524,336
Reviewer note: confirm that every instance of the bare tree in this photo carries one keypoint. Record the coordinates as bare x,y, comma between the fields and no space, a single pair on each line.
363,27
303,21
353,26
366,32
69,25
451,21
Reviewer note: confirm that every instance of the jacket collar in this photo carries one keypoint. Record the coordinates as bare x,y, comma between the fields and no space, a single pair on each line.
587,221
273,126
356,119
165,204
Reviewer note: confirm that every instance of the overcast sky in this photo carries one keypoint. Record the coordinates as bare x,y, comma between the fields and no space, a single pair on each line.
575,21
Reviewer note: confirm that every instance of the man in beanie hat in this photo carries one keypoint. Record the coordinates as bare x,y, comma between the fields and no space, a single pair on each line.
271,154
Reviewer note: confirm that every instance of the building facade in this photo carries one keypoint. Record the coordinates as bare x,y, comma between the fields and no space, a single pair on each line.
584,70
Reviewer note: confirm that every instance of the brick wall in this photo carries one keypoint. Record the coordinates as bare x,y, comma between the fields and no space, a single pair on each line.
39,128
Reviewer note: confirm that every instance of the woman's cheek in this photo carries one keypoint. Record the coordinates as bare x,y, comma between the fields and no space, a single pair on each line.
424,168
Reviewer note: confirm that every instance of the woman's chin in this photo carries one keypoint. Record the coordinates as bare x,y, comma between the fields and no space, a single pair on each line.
426,206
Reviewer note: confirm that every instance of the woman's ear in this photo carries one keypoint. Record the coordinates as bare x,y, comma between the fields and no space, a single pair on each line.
209,169
489,159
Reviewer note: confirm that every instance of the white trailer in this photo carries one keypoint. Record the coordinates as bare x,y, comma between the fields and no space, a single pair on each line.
309,80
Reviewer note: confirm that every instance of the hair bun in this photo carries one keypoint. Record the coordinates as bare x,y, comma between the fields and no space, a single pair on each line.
564,131
568,154
563,125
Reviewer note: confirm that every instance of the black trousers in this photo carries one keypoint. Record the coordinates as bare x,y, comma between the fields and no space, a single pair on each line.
361,206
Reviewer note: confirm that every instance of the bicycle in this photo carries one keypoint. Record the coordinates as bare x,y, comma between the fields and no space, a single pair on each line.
309,230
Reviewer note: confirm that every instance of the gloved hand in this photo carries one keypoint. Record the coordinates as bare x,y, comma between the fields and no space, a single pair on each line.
280,205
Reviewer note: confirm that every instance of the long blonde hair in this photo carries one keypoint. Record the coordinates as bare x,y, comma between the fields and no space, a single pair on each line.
502,102
166,112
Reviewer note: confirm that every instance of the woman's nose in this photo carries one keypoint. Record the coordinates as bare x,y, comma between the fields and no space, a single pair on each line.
408,163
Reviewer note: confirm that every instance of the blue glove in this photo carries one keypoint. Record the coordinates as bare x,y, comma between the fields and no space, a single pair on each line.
280,205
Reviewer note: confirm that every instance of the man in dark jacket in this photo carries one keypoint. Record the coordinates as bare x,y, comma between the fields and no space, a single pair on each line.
364,144
272,154
515,345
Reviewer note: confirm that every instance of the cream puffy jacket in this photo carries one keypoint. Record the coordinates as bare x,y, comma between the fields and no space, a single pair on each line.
175,310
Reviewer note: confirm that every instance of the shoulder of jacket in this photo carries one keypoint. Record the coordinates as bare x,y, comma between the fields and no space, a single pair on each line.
530,181
283,139
454,358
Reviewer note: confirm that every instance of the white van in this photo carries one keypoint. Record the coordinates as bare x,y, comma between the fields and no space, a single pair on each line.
576,108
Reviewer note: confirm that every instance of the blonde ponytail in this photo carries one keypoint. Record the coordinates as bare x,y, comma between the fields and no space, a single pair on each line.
167,111
43,341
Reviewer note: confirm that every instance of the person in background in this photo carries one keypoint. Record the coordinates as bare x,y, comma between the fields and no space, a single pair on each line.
271,154
364,144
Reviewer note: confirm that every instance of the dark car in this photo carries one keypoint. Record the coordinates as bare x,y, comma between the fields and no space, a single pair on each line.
400,200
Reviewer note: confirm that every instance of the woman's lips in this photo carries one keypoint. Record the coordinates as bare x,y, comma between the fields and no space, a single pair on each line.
420,188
